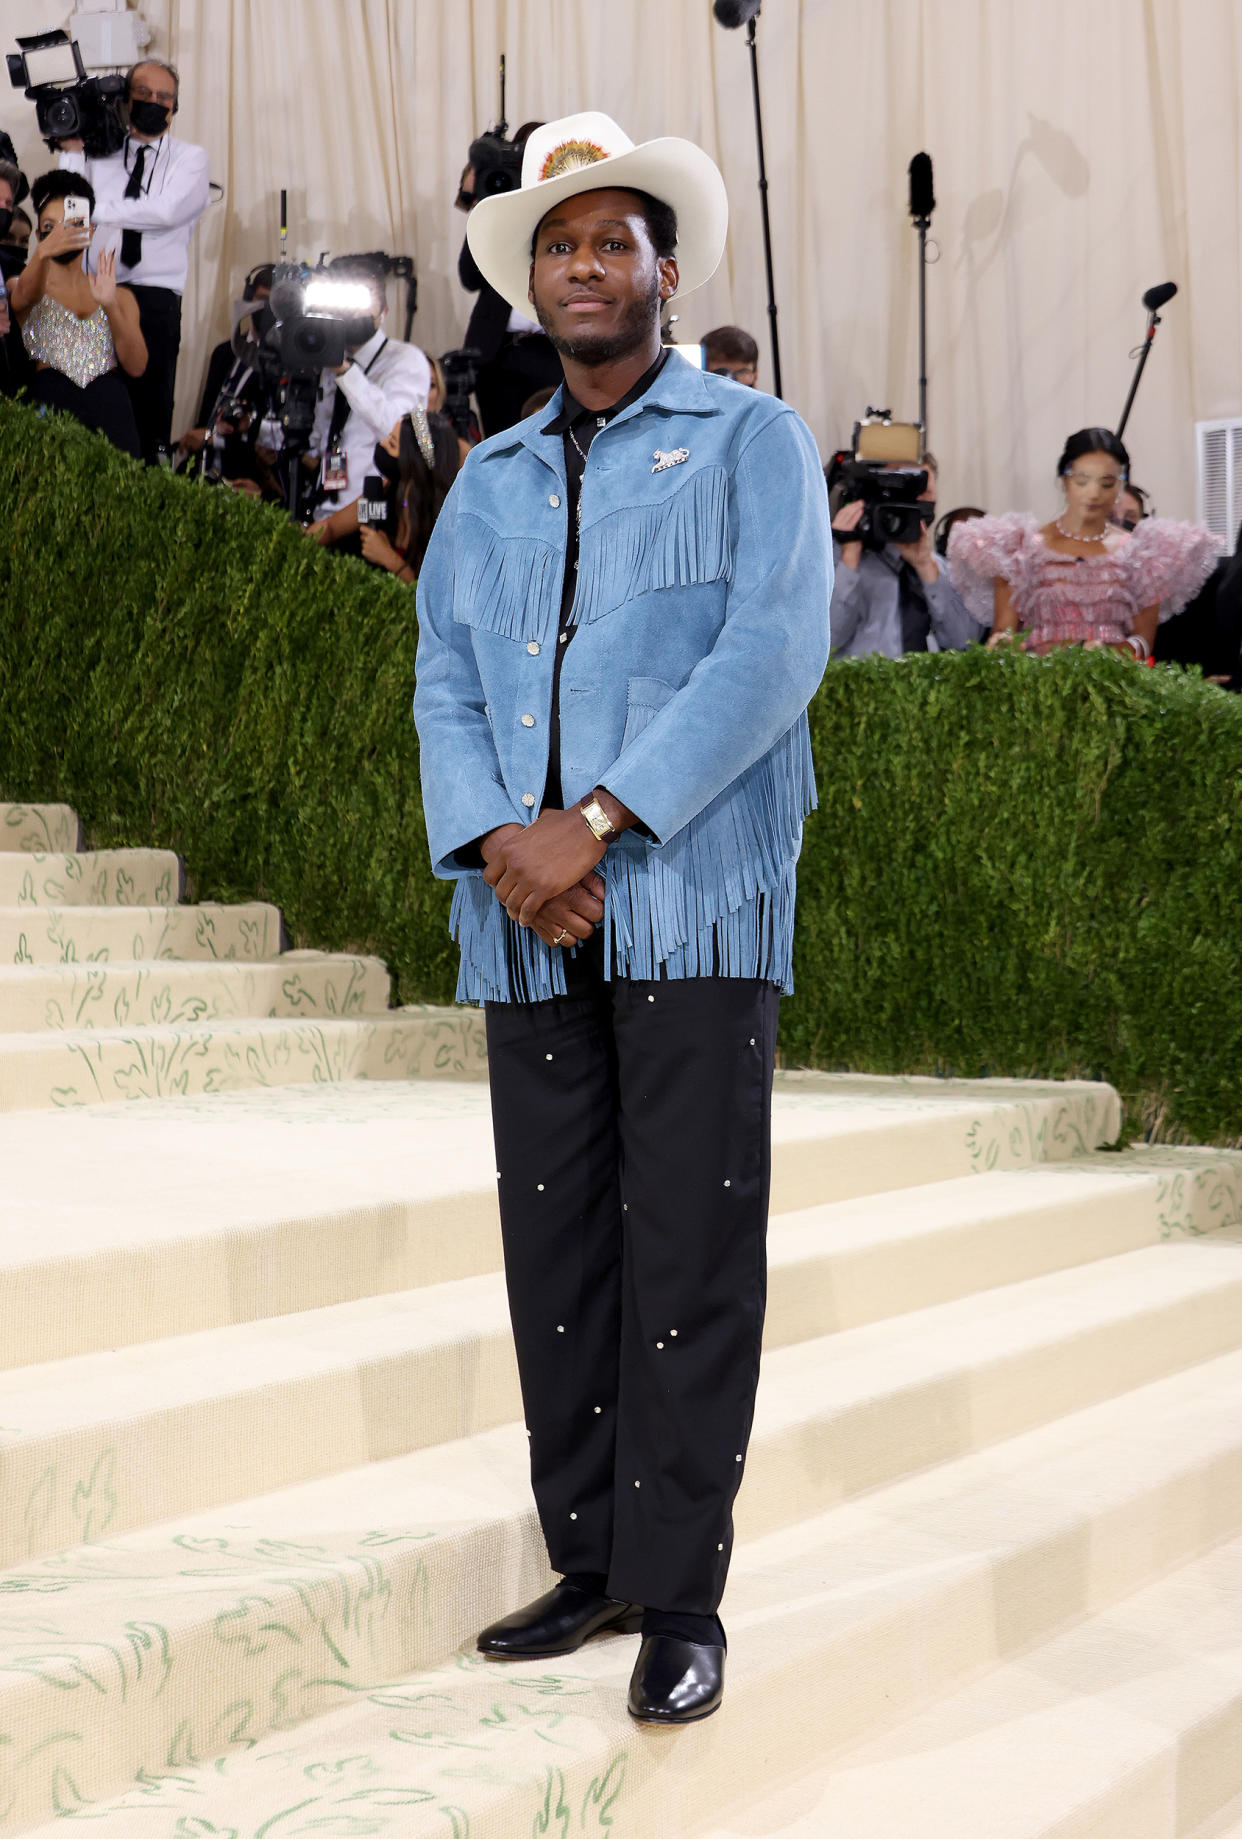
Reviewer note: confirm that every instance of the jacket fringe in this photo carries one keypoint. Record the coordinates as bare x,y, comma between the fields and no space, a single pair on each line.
716,900
507,585
677,543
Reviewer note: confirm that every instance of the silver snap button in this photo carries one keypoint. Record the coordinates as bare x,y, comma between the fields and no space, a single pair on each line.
528,721
528,799
533,649
554,501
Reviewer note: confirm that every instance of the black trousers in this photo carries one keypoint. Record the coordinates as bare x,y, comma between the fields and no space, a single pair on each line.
632,1124
159,315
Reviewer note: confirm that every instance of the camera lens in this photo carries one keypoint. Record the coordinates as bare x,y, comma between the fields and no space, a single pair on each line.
62,116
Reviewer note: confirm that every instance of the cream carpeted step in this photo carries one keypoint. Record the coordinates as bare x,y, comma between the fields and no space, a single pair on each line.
87,1066
59,935
1129,1727
38,827
122,995
949,1127
152,1655
95,878
304,1196
184,1424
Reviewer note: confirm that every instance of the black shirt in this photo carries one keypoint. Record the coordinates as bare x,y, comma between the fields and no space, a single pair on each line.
578,427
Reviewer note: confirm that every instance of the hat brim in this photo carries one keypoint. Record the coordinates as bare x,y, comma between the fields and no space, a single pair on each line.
499,230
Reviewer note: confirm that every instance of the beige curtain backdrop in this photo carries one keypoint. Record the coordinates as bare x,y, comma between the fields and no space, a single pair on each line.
1083,150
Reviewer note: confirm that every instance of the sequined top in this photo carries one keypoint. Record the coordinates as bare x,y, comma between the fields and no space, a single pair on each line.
1069,600
82,348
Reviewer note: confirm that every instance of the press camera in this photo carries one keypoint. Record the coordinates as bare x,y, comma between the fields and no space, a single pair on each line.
69,105
884,470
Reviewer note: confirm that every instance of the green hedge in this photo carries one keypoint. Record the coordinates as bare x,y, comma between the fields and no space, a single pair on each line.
1018,866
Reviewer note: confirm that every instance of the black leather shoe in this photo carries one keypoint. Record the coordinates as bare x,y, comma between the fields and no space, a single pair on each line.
558,1623
676,1682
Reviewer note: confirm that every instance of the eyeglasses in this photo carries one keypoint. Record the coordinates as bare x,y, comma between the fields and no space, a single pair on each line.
1109,481
743,373
141,93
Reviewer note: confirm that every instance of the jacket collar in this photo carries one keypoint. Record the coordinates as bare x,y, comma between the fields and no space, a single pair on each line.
679,387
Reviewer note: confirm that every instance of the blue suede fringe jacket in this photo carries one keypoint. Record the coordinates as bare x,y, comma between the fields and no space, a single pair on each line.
702,634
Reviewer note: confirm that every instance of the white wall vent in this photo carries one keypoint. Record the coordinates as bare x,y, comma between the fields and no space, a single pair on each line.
1218,449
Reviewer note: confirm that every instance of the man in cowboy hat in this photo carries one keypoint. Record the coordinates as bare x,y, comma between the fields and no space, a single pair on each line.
623,616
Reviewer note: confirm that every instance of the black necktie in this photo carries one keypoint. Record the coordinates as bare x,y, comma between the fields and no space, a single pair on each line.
912,605
131,240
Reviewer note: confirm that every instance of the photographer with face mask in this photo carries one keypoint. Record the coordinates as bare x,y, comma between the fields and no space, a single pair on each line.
152,192
381,380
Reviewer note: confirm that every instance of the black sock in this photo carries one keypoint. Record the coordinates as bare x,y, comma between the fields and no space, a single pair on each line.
705,1630
593,1582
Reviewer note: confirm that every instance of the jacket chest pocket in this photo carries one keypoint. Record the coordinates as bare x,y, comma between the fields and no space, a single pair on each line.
679,537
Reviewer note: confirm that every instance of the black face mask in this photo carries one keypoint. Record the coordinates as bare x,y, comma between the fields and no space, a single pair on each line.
262,320
6,218
387,465
358,331
67,257
148,117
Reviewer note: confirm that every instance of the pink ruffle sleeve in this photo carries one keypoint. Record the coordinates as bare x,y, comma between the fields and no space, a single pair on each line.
1168,562
985,547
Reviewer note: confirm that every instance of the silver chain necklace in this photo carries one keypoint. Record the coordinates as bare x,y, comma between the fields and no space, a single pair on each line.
583,453
1069,535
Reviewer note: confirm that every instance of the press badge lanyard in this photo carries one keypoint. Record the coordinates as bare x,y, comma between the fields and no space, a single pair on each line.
335,475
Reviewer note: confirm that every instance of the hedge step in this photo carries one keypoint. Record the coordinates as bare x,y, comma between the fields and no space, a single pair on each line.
120,995
236,1636
88,1066
94,878
48,828
205,933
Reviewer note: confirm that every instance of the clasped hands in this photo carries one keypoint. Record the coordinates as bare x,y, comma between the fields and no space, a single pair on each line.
543,874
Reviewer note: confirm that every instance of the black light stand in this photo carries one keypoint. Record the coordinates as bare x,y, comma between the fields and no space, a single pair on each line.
731,13
1153,299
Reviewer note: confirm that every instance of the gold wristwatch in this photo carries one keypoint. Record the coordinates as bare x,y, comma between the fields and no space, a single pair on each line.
601,825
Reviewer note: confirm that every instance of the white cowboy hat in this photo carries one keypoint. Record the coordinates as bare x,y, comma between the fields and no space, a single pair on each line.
588,153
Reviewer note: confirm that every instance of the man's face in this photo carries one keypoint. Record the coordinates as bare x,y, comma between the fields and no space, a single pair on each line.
151,86
728,367
596,282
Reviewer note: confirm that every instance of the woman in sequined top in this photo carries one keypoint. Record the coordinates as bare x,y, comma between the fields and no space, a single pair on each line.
1080,580
78,327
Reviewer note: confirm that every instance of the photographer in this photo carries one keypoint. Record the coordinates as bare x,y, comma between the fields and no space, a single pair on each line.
153,190
381,380
515,355
897,598
235,402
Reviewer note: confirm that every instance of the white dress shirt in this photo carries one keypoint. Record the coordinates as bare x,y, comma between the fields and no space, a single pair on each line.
383,383
174,196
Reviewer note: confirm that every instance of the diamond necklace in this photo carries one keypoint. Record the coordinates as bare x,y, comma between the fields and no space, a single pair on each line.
1069,536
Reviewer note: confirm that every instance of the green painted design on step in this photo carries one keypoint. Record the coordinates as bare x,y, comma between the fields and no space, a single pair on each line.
94,1502
602,1796
553,1817
22,955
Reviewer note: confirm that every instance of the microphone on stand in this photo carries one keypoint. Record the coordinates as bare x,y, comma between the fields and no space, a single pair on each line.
1156,297
922,204
922,194
730,14
1153,300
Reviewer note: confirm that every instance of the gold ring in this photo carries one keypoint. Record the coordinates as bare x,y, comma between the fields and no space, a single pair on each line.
562,934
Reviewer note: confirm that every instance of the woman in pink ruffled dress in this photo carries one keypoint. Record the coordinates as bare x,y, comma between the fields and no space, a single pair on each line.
1080,580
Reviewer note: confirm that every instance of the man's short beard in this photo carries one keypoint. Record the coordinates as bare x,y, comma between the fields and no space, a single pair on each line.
631,335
